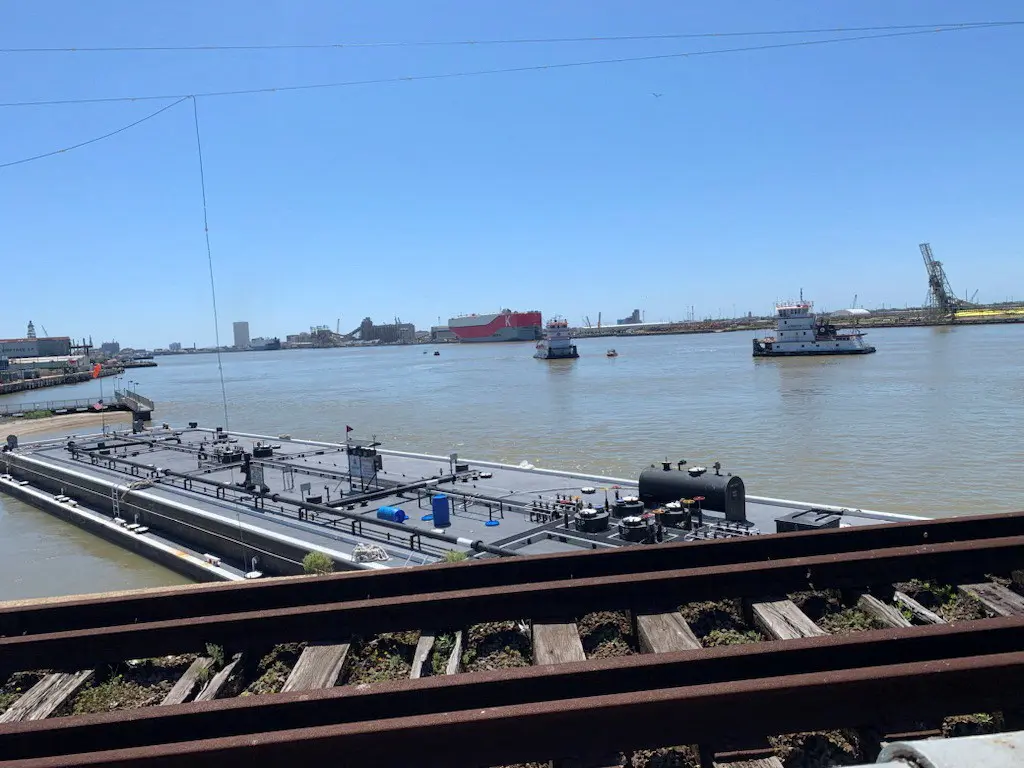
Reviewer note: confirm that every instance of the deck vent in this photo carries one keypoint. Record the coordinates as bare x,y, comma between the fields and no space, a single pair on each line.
592,520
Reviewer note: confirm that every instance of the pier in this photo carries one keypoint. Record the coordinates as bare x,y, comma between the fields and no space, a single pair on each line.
24,385
124,400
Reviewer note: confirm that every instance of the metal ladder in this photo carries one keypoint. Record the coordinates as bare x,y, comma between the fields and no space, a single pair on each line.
115,502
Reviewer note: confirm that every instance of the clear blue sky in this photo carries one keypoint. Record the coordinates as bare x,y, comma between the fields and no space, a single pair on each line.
572,191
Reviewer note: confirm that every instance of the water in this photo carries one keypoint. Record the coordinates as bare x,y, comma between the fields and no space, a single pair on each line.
41,556
930,424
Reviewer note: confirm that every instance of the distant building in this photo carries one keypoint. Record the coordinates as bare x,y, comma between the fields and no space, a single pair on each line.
174,346
110,348
389,333
42,346
631,320
241,335
442,333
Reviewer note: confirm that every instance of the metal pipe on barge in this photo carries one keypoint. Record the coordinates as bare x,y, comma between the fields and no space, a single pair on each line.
474,544
603,479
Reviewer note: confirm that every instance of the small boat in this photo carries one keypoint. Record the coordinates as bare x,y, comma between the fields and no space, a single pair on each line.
436,353
611,353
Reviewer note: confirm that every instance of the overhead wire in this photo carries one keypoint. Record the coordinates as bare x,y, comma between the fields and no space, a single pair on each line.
488,42
81,144
209,261
505,70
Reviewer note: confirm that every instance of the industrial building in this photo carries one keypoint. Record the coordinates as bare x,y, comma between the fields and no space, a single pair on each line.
42,346
633,319
440,333
35,346
389,333
241,330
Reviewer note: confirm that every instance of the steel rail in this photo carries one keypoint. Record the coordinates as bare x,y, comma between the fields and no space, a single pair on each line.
603,724
654,592
213,599
346,704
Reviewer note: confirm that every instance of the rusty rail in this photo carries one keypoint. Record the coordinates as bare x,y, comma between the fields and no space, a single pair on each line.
648,591
618,676
599,724
225,598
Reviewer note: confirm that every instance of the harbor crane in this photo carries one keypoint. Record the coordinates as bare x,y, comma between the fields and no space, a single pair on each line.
941,298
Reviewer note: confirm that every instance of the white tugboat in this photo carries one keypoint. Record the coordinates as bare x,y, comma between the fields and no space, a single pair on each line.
557,342
801,332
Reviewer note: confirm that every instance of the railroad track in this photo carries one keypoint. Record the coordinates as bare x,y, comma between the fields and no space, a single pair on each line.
268,595
907,671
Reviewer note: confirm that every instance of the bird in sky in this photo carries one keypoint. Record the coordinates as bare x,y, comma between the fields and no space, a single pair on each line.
656,95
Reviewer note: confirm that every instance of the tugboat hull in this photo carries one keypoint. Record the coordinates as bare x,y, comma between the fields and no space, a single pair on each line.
557,354
760,350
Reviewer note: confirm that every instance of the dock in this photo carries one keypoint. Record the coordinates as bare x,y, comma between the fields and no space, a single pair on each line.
43,382
124,400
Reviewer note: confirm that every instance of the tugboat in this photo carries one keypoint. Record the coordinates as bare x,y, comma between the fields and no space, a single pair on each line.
557,342
801,332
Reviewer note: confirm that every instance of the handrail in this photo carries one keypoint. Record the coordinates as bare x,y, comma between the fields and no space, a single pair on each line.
132,400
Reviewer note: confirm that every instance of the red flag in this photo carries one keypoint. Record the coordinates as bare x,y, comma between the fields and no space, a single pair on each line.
96,371
347,429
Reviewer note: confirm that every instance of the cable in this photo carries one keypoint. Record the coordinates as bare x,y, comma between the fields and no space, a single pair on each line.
506,70
209,261
92,141
493,42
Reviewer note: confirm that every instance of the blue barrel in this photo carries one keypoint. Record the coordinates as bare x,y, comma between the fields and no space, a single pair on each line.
442,512
394,514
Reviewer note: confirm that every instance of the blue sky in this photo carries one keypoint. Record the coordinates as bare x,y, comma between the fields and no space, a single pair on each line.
572,190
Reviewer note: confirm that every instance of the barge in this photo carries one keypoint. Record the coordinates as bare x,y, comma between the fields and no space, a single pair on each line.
231,506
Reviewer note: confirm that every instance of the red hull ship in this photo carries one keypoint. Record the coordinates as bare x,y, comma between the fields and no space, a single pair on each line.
500,326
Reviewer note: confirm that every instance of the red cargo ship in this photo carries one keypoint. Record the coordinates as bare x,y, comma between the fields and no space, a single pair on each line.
501,326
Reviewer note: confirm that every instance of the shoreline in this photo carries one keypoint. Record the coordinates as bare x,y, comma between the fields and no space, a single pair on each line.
724,326
63,424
